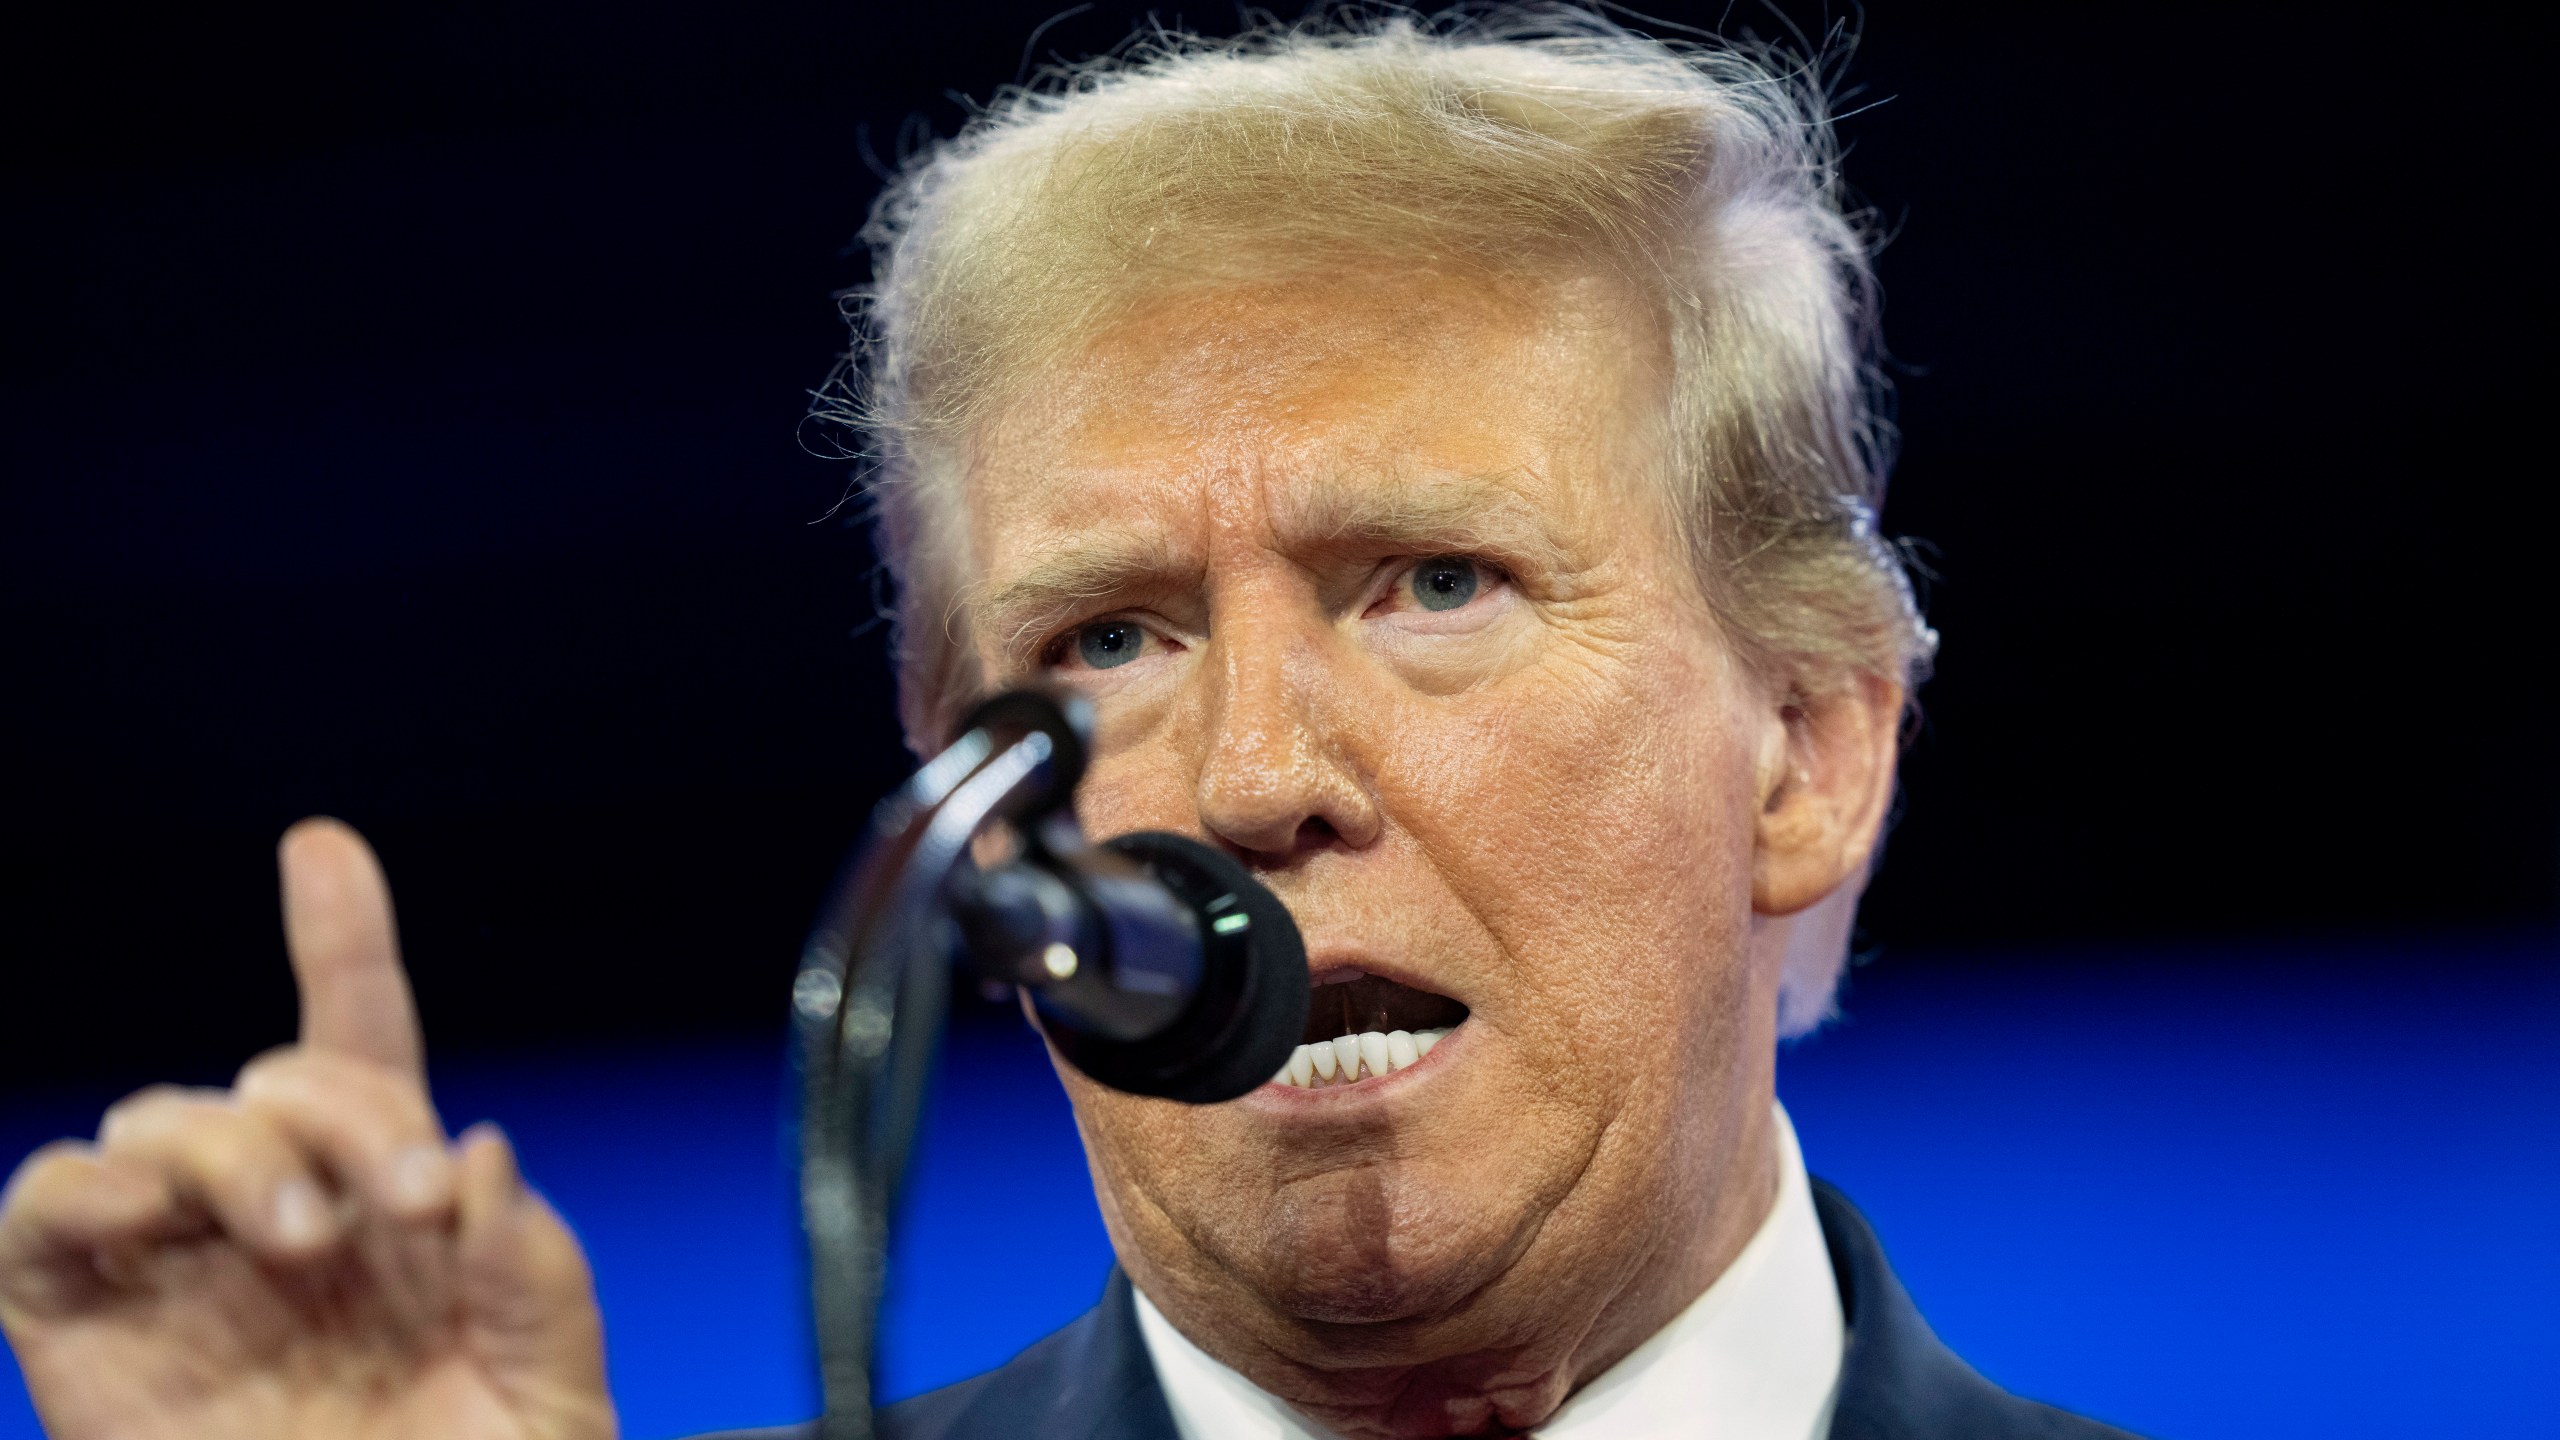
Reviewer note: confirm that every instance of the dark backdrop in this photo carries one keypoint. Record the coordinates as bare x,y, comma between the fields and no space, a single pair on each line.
398,408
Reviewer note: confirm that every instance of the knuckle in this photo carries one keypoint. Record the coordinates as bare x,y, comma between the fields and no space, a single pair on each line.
288,1087
353,1101
199,1124
142,1112
149,1095
63,1157
272,1066
48,1171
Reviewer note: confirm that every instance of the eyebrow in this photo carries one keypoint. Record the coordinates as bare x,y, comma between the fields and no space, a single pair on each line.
1467,514
1121,564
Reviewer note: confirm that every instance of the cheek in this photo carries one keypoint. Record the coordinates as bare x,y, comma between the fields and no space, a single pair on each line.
1138,781
1596,819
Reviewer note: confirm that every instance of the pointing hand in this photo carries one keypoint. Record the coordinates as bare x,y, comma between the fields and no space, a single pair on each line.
306,1255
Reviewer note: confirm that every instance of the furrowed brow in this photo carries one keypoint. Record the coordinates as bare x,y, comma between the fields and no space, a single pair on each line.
1468,514
1021,611
1461,515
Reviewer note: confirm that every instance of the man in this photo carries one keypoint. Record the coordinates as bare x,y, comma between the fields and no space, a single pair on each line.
1445,458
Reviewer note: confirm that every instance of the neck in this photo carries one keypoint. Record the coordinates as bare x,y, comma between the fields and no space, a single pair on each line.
1686,1258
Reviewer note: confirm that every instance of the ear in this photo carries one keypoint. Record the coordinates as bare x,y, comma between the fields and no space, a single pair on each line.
1826,777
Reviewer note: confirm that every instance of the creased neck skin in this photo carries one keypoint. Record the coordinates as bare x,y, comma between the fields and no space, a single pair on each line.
1370,581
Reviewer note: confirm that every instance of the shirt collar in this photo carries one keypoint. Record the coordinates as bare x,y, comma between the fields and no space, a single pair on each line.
1755,1357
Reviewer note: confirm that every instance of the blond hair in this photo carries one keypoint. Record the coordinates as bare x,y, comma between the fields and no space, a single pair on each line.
1508,141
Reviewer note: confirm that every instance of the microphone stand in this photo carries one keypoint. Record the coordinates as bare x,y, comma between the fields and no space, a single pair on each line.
867,1010
1157,965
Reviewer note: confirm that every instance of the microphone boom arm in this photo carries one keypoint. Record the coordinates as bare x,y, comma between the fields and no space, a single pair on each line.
1156,965
865,1016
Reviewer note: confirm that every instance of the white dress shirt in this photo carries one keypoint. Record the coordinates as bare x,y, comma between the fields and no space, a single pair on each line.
1755,1357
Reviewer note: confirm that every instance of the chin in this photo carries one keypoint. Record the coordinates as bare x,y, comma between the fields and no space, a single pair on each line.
1366,1246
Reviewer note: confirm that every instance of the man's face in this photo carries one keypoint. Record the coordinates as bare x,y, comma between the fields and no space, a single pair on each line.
1371,582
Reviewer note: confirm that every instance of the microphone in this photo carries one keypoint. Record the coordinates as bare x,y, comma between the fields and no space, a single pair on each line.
1154,963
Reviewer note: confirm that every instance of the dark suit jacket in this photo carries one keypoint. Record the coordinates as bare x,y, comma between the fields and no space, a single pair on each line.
1093,1381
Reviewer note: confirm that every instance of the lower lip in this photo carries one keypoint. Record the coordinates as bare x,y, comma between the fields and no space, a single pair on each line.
1293,1099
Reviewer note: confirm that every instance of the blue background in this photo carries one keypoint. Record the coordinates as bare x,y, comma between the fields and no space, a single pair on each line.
2227,1192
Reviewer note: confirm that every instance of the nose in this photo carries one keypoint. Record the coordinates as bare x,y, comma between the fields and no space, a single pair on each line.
1279,779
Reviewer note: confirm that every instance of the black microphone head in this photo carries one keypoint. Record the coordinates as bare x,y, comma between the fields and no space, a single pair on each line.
1248,1013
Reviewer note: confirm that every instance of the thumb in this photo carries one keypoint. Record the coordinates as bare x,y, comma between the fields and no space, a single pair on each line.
345,952
528,1298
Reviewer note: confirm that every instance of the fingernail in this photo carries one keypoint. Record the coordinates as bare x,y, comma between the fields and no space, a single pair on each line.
302,1213
421,1176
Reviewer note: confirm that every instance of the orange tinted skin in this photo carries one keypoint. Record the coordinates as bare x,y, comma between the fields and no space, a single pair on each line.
1564,802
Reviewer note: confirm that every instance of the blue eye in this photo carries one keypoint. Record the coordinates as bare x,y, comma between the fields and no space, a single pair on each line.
1110,643
1444,584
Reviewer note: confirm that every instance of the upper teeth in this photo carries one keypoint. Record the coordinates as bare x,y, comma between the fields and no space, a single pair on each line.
1355,1057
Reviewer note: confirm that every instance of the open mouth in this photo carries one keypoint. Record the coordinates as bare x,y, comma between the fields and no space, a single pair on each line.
1360,1027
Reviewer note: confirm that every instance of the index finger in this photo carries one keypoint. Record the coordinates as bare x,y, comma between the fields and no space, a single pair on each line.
346,954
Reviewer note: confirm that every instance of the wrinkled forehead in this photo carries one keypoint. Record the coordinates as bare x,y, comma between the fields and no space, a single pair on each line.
1281,404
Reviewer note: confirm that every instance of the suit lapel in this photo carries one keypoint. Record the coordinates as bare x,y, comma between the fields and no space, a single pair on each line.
1898,1380
1118,1396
